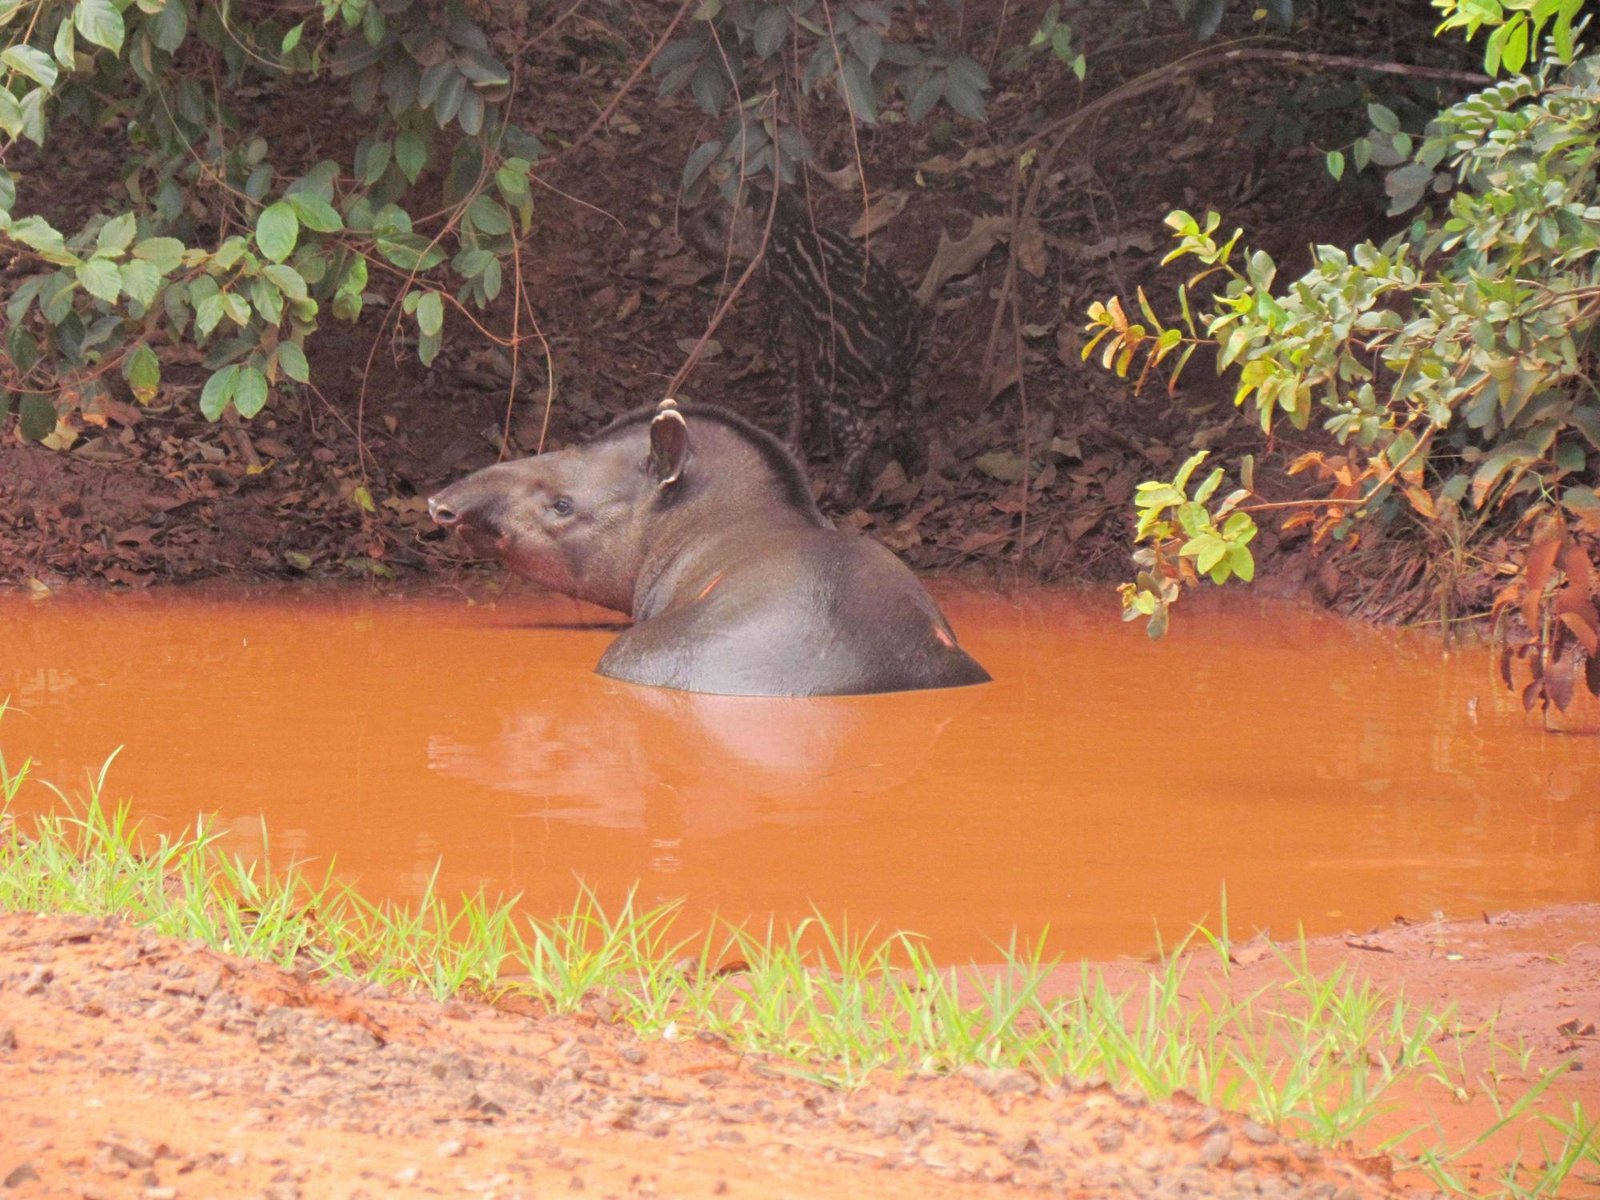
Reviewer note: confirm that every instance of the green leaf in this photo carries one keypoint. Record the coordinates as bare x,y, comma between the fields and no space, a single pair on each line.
170,26
38,234
100,22
411,252
277,230
928,93
65,47
1210,551
164,253
859,91
140,280
1205,16
31,114
315,213
101,279
512,177
10,114
470,115
488,216
225,256
32,62
218,392
411,153
451,92
292,362
428,348
1335,162
1207,488
1383,120
266,299
964,95
237,308
771,30
1181,479
287,280
292,38
36,416
1514,56
1242,562
373,160
142,370
207,313
24,350
430,313
250,392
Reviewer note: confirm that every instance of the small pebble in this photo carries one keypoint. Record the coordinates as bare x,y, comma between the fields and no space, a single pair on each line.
19,1175
1216,1148
1110,1140
1259,1134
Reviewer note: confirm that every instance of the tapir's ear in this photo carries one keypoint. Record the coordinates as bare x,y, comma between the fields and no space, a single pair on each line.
669,443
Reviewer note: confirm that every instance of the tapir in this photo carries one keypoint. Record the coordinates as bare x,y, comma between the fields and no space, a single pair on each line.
702,528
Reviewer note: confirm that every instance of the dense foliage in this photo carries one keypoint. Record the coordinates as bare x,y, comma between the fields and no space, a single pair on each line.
224,240
1451,364
222,236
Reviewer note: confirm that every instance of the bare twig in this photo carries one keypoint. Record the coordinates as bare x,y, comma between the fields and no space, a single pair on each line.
727,301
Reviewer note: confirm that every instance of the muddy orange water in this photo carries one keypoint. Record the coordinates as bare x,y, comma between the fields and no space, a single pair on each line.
1324,773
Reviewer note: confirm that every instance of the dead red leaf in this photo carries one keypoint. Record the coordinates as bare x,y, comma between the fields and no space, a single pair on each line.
1560,677
1542,550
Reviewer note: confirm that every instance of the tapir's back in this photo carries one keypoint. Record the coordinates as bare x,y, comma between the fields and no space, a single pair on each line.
815,613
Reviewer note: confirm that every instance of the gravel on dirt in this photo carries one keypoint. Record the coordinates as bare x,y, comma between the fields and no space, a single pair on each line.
137,1065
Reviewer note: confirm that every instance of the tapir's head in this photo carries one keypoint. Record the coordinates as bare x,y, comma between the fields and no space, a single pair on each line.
582,521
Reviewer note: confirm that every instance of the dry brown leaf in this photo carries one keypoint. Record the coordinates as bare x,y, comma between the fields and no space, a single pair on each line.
879,214
844,179
1579,570
943,164
1542,551
1559,679
1578,614
1004,375
954,258
1028,242
680,270
1422,501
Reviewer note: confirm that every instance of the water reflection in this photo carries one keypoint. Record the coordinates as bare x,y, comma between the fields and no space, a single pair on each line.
677,765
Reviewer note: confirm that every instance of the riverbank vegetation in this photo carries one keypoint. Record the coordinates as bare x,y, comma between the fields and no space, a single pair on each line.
275,275
1319,1056
1450,365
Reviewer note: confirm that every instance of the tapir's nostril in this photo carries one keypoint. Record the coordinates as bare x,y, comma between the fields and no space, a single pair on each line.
442,514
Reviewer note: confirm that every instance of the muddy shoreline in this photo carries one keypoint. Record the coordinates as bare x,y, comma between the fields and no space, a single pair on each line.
144,1066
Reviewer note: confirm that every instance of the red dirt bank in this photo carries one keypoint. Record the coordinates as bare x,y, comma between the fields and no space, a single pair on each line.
134,1065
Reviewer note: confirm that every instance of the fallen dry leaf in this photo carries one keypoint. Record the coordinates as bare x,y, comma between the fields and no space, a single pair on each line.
954,258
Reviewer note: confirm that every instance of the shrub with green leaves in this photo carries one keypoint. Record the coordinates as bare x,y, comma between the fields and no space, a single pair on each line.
755,61
213,235
1451,365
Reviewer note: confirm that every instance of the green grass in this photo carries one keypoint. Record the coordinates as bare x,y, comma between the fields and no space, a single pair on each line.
1318,1056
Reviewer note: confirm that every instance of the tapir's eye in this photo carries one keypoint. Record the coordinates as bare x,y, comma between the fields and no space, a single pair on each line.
562,506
